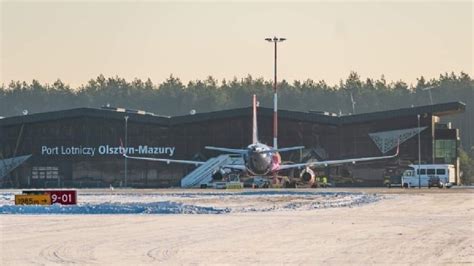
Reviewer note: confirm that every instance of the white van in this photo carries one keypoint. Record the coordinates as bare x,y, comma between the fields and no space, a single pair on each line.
429,175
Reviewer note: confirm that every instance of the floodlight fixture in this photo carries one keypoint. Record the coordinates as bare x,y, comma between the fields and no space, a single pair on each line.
275,39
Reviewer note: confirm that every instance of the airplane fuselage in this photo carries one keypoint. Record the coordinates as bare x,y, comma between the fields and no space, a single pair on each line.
260,160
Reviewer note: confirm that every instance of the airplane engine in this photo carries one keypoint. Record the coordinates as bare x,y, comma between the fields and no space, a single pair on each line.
307,175
218,174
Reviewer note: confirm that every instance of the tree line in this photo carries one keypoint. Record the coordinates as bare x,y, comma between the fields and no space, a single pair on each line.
173,97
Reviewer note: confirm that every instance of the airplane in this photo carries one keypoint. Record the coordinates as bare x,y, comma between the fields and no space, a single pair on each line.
262,160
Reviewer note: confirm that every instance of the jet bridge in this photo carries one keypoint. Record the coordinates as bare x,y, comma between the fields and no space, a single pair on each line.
203,174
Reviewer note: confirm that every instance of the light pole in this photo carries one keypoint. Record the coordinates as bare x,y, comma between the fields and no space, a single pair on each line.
125,151
419,153
433,143
275,40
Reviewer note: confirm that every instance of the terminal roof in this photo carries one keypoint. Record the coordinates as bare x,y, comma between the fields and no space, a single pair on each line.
441,109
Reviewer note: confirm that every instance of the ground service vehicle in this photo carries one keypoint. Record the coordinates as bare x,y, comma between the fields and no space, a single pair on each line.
393,176
428,175
257,182
392,181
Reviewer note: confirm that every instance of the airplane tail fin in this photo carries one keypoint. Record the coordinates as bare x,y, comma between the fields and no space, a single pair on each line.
254,122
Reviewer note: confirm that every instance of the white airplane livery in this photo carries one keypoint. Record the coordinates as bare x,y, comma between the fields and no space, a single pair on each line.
262,160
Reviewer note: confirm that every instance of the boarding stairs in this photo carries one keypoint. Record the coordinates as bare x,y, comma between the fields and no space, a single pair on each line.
203,174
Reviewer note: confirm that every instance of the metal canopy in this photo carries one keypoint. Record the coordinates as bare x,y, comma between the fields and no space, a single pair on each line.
387,140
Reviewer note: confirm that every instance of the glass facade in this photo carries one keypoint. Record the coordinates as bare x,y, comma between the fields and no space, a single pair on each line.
445,149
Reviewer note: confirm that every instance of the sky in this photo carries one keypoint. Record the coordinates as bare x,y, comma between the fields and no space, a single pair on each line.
76,41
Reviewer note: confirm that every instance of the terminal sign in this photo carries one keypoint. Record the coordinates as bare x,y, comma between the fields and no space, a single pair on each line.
43,199
64,197
106,150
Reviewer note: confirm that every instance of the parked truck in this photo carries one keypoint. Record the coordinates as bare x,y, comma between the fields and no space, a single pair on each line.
392,176
429,175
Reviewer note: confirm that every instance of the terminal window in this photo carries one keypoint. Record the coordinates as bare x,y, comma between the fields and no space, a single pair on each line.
45,172
445,149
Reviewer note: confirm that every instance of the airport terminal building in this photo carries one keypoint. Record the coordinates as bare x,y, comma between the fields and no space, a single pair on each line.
82,147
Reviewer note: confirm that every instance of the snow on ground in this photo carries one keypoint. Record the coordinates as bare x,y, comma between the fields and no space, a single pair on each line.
192,202
407,227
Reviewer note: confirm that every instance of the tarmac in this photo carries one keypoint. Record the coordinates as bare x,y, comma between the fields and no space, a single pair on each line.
405,227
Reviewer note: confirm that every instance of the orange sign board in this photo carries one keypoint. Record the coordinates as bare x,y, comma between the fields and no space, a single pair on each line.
44,199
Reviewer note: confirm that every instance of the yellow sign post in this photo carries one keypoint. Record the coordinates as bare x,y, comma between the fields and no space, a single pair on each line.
44,199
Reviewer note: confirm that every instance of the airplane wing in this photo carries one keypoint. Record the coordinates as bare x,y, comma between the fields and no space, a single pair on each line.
240,167
168,161
229,150
333,162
